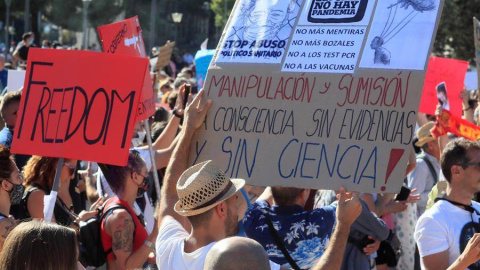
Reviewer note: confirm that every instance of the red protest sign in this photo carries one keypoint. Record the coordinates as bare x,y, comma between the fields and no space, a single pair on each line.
79,105
125,37
443,82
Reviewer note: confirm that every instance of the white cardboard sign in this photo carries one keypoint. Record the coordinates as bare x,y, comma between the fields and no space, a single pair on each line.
15,81
314,127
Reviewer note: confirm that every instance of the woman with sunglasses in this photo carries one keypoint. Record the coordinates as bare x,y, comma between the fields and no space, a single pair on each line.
11,191
39,176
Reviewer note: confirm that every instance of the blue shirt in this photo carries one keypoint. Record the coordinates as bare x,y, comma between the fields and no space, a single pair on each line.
305,234
6,137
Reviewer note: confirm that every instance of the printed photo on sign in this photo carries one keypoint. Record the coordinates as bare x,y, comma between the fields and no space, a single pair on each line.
400,35
351,12
259,31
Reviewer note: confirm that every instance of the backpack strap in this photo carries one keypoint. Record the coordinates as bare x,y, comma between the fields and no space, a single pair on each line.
107,212
430,167
280,244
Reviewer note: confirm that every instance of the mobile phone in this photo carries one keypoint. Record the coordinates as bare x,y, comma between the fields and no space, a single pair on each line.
403,195
188,90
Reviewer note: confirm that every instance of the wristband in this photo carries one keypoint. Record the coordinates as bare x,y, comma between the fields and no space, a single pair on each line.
175,112
149,244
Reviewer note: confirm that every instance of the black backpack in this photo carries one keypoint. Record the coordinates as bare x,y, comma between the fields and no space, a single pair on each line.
91,247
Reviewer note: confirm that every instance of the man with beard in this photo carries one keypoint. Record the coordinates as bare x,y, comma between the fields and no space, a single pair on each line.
198,205
445,232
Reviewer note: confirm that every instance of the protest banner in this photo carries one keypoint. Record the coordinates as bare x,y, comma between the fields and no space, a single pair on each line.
443,83
317,94
15,80
447,122
476,35
125,37
165,55
202,61
73,109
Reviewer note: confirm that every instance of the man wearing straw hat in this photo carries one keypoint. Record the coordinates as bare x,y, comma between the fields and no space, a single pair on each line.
198,205
426,173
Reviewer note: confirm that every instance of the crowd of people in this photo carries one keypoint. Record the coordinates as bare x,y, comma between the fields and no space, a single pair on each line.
204,220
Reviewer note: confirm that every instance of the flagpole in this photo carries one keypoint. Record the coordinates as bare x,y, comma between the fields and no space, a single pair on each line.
50,200
152,158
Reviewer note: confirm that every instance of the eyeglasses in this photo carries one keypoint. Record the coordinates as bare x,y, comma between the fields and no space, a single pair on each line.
71,168
21,176
469,164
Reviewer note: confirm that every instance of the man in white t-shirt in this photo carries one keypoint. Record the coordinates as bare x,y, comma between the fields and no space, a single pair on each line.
198,206
444,231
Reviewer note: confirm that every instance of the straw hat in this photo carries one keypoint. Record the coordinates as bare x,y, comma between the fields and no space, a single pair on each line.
203,186
163,82
423,134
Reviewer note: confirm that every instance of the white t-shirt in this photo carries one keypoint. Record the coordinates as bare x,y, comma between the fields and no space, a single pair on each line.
445,227
170,249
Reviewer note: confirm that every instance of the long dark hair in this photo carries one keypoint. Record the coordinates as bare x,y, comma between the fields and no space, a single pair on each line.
38,245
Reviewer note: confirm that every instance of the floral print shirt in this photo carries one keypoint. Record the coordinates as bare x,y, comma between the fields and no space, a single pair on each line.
305,234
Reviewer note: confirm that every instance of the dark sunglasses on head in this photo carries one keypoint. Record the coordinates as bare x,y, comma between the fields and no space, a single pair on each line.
71,168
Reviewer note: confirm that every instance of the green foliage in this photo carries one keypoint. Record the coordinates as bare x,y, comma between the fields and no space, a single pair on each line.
68,14
455,32
218,8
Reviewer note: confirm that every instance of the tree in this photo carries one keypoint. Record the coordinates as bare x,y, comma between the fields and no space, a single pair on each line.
218,8
68,14
455,32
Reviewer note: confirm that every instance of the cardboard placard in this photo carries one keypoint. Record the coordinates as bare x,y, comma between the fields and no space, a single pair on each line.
202,62
471,80
444,80
15,80
165,55
74,109
310,115
476,35
125,37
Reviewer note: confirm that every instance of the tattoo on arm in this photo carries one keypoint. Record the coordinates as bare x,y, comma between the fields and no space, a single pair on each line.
8,229
123,237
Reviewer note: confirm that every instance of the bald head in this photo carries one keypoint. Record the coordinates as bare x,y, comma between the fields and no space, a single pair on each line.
236,253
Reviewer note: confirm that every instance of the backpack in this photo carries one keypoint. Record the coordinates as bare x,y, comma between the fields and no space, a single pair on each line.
91,247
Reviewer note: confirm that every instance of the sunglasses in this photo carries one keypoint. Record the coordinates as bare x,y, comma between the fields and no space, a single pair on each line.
466,164
71,168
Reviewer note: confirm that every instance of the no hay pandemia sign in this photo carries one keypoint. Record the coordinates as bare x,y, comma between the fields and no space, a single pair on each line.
292,106
79,105
125,37
165,55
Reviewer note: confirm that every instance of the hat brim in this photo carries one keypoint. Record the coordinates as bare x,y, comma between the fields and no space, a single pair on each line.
237,184
423,141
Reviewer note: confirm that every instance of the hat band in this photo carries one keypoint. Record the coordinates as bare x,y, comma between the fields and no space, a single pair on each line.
216,198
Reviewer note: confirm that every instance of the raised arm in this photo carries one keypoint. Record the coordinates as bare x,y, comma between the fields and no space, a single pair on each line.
194,117
168,135
347,212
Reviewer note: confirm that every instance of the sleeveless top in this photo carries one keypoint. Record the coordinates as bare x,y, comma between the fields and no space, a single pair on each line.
139,235
63,216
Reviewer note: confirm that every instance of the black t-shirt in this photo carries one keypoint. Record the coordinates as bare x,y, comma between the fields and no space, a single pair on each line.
23,52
